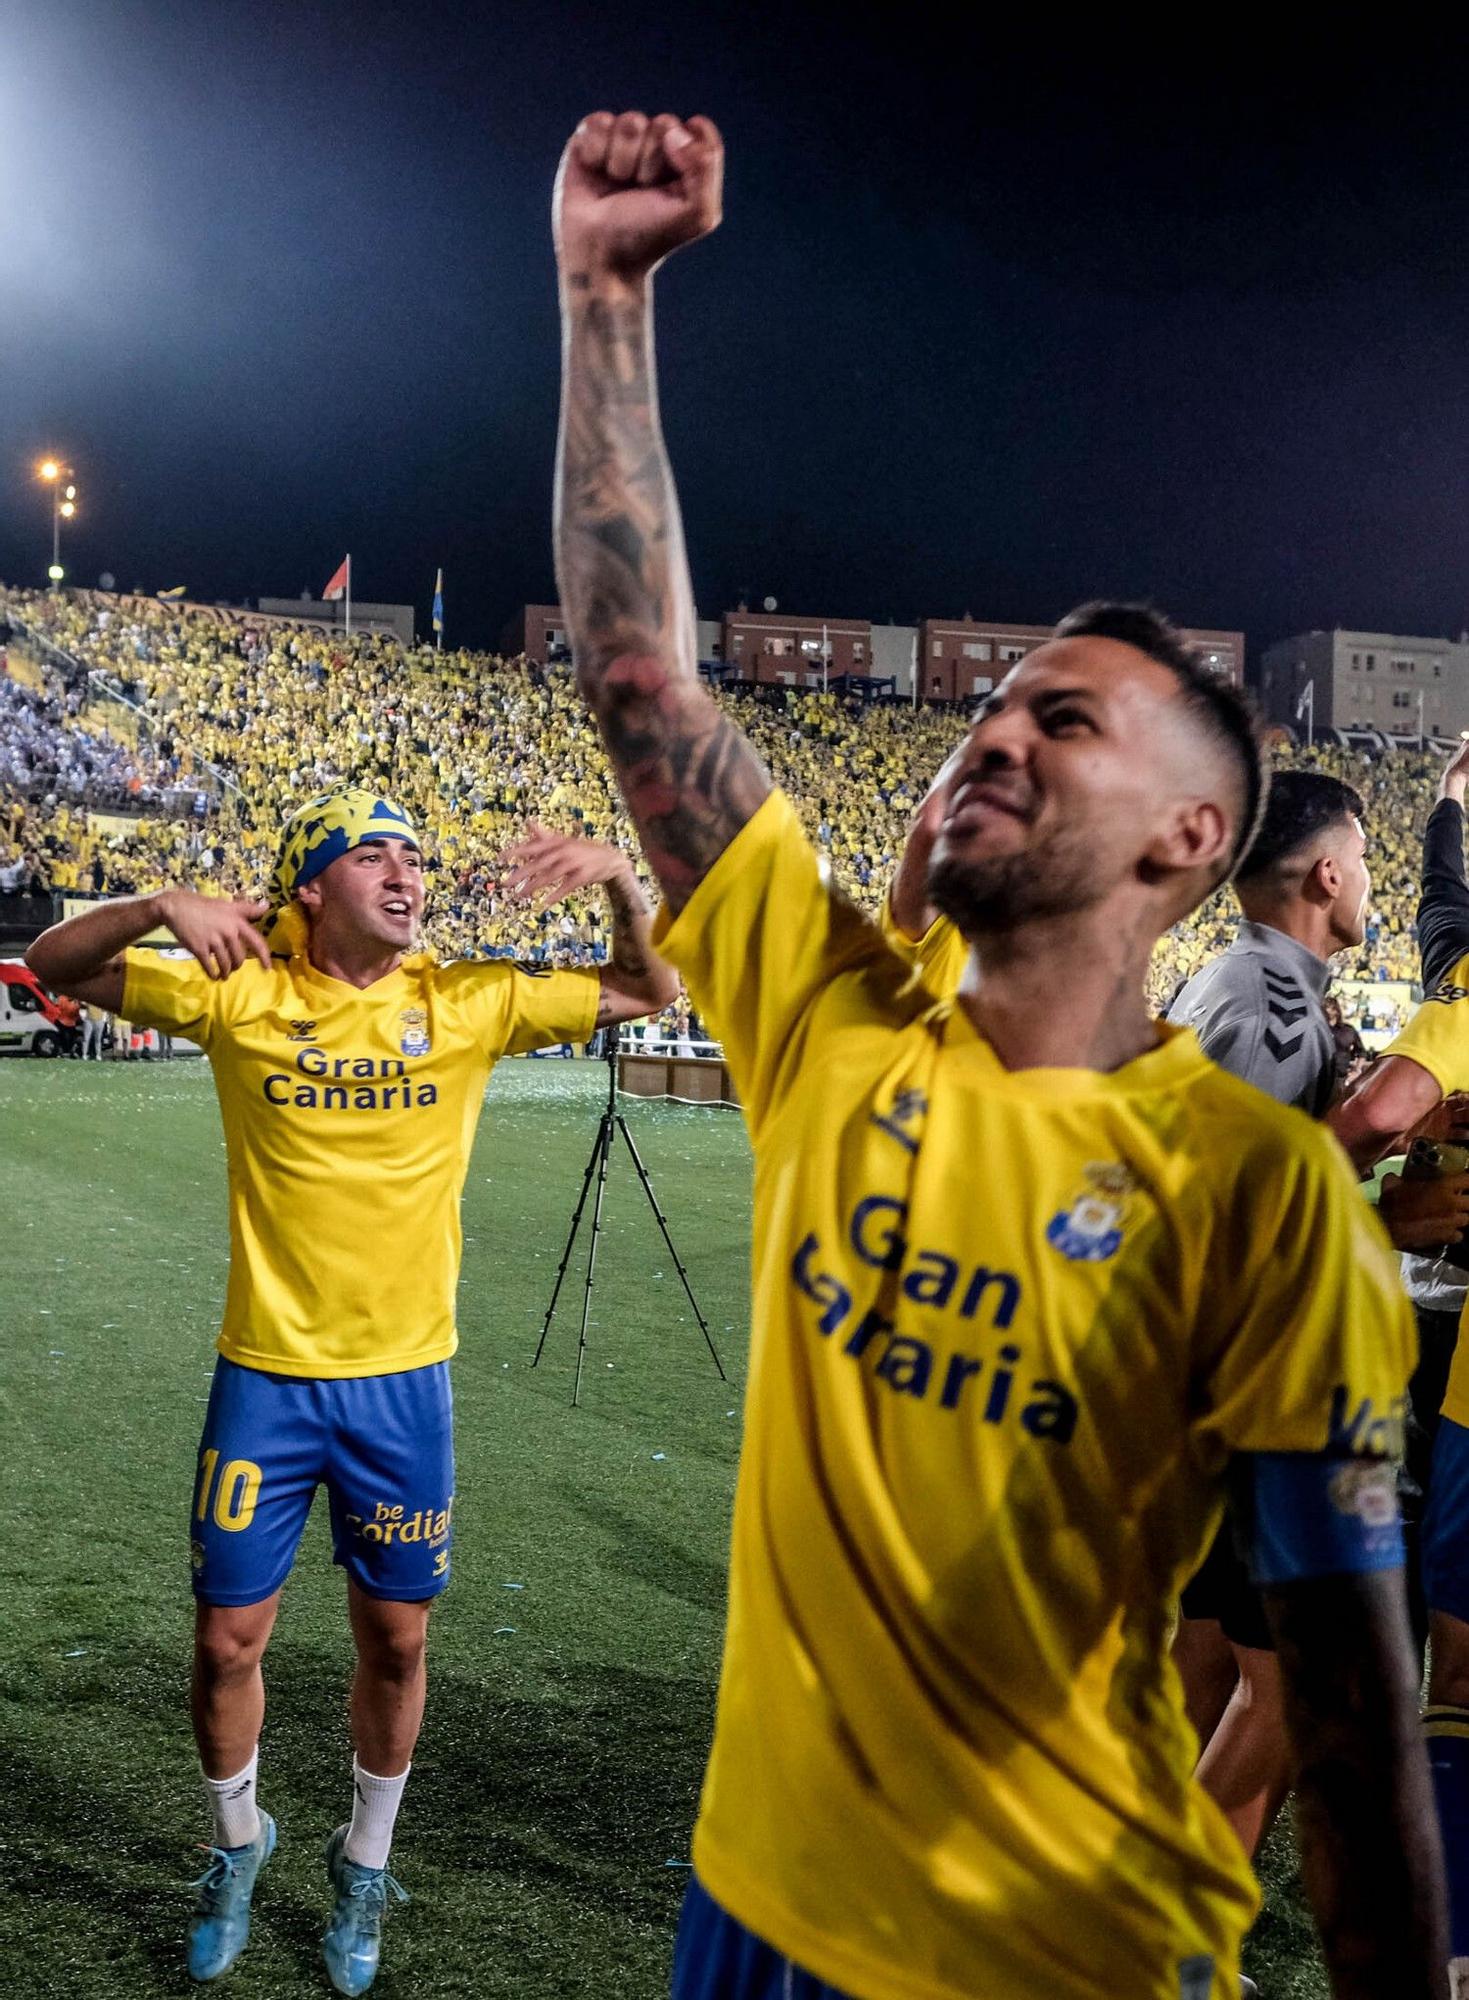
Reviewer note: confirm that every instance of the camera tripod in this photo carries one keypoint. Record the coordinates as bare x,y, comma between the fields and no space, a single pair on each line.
612,1122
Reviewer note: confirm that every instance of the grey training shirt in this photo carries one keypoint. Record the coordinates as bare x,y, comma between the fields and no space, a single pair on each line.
1256,1010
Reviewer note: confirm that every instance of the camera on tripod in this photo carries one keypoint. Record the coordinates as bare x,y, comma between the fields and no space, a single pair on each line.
612,1122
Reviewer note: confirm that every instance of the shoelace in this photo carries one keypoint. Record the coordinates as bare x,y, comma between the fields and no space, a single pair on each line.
218,1875
375,1889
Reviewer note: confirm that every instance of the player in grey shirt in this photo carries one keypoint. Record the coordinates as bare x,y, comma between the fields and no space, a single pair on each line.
1303,888
1257,1010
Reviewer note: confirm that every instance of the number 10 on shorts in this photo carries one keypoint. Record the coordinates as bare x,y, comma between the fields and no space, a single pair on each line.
234,1492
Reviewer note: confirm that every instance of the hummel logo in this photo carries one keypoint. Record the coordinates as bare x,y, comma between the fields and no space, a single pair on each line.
302,1031
907,1105
1286,1003
1282,1051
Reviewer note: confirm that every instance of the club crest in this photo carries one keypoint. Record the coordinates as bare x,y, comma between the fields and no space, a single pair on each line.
415,1040
1090,1229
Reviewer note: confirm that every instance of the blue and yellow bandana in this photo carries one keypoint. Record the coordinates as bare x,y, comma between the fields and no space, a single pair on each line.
316,835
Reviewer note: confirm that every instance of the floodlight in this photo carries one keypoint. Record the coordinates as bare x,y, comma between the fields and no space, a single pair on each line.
49,469
68,508
56,572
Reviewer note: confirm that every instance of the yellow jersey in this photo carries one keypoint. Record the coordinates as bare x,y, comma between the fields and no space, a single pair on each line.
939,956
1008,1328
1437,1039
349,1114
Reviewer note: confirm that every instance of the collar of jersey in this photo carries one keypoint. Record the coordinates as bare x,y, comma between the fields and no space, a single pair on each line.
309,974
1265,941
1176,1059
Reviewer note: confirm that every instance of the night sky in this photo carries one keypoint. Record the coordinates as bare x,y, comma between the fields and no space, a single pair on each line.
990,326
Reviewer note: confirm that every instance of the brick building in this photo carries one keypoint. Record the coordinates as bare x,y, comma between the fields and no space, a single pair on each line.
962,658
957,658
778,650
538,631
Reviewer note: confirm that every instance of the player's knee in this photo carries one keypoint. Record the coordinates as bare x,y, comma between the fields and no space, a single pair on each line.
393,1650
228,1649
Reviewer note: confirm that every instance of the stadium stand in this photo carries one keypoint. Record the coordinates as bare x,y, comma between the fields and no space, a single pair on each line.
243,716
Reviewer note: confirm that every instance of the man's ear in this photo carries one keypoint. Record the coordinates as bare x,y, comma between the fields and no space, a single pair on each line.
309,894
1196,834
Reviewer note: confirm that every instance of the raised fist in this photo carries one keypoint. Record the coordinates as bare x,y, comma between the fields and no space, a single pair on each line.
632,189
1451,785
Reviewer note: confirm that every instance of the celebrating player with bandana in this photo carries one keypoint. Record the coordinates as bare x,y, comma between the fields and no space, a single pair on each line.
1031,1279
351,1069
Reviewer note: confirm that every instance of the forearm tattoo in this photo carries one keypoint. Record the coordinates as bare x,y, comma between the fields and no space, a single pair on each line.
690,778
630,923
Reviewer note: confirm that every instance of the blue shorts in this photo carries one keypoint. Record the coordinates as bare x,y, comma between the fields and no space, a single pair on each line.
383,1447
1444,1537
716,1958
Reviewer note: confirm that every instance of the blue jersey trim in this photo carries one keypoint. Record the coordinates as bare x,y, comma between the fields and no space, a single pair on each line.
1313,1515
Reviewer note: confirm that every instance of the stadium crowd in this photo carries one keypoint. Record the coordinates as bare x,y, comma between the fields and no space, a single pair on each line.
51,751
474,746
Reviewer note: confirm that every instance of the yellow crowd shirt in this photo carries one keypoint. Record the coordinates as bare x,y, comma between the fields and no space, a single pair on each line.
349,1115
1437,1039
1008,1328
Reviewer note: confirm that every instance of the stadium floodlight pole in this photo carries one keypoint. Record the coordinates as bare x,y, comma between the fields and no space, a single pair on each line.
349,594
612,1122
913,661
63,502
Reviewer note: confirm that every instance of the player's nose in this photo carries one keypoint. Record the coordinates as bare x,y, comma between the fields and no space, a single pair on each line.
998,741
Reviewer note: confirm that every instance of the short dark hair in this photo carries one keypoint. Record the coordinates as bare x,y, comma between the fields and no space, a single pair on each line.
1302,804
1224,714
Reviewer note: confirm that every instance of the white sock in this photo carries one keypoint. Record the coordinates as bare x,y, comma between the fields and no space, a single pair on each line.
232,1801
375,1803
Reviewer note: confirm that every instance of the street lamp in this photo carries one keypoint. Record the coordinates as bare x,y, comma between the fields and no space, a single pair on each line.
63,506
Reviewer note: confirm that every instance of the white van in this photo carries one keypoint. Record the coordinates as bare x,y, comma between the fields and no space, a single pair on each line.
30,1020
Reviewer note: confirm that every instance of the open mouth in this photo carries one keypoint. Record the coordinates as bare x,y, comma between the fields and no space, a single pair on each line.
397,908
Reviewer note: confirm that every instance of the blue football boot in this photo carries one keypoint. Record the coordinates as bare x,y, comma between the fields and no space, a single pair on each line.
354,1935
221,1923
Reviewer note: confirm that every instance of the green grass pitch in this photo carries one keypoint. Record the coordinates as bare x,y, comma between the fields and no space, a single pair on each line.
545,1832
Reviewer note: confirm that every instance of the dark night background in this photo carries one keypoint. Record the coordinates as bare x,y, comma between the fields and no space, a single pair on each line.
992,324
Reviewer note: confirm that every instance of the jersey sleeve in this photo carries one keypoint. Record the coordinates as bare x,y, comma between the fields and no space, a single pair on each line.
1307,1514
1437,1037
1443,907
175,995
1310,1338
1230,1034
938,957
512,1009
766,943
551,1007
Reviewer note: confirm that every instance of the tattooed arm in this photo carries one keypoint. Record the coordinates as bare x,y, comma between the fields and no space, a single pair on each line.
630,191
546,866
1364,1808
